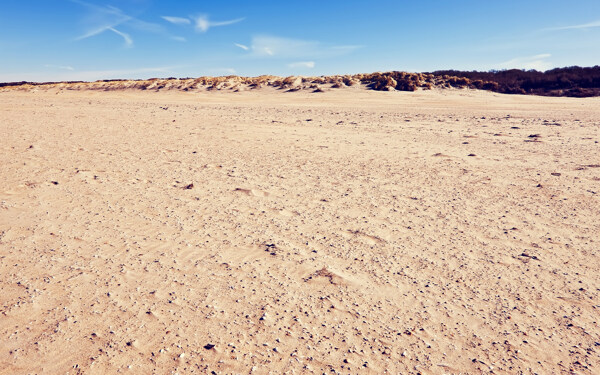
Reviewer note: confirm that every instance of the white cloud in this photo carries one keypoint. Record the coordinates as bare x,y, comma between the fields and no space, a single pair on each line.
146,26
245,48
99,19
273,46
302,64
63,67
202,23
177,20
538,62
126,37
179,38
575,27
282,47
221,71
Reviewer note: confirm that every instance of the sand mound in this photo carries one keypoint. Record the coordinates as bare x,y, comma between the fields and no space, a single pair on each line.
389,81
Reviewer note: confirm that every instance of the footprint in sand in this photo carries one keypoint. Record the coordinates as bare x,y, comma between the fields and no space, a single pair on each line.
372,240
332,277
252,192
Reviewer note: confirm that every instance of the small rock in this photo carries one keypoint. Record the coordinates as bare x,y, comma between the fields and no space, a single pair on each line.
209,346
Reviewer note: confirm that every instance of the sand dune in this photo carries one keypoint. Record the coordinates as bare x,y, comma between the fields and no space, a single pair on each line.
388,81
353,231
571,81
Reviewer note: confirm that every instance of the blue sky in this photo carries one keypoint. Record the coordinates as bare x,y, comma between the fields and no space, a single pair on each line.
49,40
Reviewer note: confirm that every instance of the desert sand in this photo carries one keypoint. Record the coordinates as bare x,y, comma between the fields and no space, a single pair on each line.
347,231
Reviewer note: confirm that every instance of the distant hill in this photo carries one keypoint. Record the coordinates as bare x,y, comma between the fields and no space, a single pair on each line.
571,81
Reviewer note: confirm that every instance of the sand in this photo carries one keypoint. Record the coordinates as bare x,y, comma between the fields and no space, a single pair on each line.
350,231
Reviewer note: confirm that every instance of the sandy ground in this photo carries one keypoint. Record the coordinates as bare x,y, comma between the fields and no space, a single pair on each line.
439,232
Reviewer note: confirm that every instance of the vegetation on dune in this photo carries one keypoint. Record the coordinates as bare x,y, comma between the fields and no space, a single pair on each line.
571,81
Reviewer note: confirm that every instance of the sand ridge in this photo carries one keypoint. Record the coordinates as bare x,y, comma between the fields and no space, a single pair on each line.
387,81
353,231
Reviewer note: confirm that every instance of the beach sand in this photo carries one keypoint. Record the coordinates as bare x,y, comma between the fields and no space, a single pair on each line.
348,231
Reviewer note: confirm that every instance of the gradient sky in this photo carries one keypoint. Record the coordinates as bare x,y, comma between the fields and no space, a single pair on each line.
52,40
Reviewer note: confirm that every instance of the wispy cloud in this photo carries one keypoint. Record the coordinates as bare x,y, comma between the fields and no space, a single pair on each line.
245,48
302,64
177,20
588,25
106,18
62,67
201,23
126,37
100,19
264,45
273,46
537,62
221,71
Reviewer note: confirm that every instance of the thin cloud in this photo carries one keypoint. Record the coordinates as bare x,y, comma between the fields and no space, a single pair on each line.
177,20
278,47
245,48
202,23
264,46
126,37
588,25
348,48
302,64
106,18
221,71
101,19
537,62
146,26
97,31
179,38
63,67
